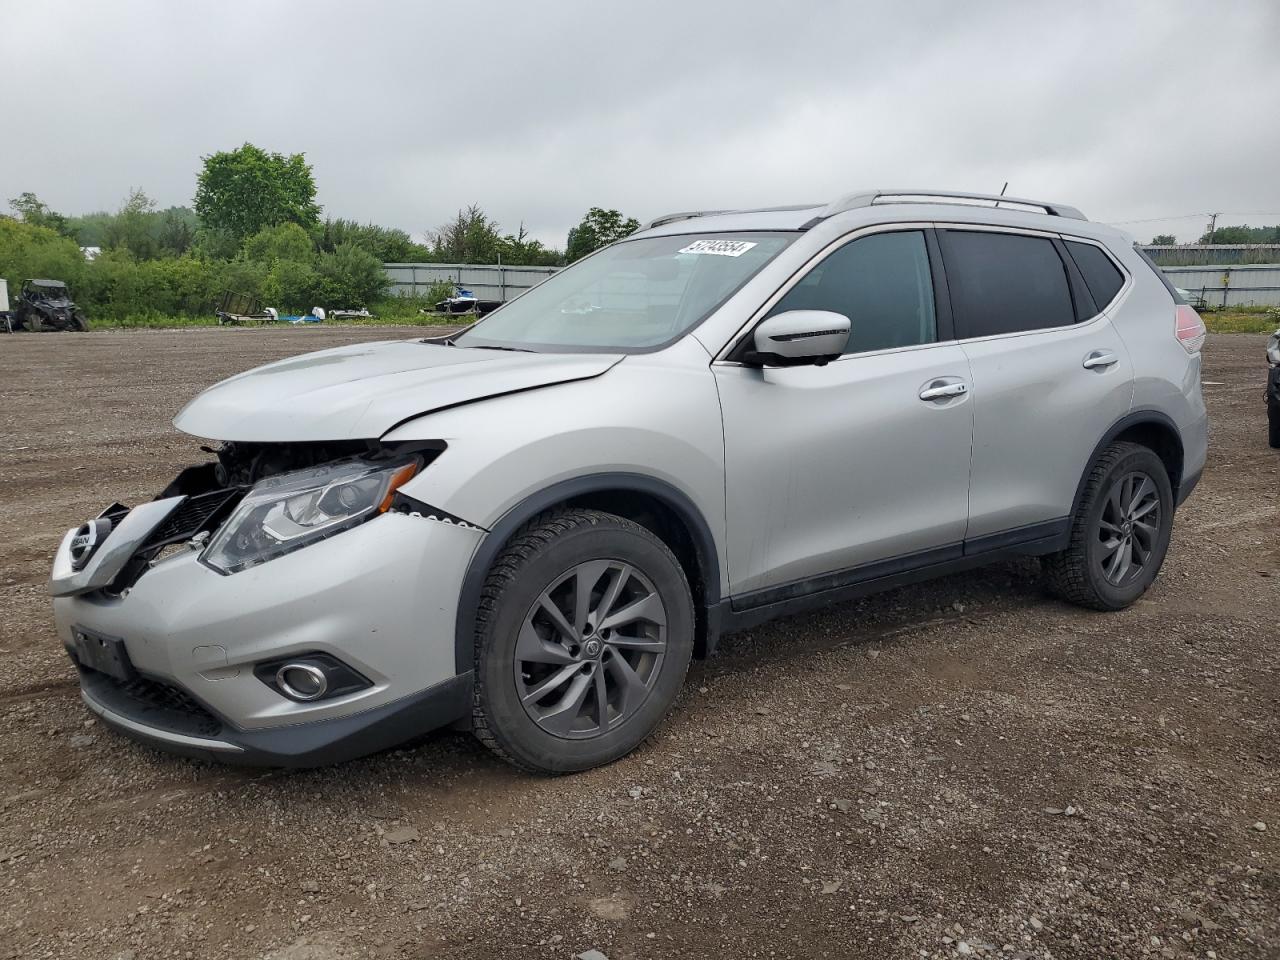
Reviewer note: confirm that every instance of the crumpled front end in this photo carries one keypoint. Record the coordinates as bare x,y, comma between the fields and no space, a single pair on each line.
176,652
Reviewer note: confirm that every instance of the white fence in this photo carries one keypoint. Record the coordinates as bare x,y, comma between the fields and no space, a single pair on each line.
487,281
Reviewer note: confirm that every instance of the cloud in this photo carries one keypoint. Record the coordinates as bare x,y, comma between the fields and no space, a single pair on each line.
409,111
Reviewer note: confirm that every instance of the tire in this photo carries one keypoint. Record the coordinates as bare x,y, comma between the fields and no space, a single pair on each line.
1273,423
79,323
521,647
1125,486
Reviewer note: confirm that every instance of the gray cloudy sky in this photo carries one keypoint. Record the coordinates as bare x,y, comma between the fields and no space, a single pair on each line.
537,111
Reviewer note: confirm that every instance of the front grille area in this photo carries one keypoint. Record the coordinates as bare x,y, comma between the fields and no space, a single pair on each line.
194,514
152,703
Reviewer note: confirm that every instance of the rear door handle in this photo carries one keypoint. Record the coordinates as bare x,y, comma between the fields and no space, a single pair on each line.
944,391
1099,360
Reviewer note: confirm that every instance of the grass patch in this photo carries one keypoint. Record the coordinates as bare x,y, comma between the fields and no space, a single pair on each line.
1241,321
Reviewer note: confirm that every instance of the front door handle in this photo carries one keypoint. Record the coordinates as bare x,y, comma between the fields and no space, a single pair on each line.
1099,360
944,391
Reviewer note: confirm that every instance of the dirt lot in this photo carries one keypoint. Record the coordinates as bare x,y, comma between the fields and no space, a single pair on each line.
960,768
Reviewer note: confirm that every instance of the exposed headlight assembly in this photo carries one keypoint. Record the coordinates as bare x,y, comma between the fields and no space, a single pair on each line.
1273,349
289,511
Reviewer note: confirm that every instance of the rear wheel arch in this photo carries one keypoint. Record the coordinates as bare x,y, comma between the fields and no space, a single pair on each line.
1148,428
654,504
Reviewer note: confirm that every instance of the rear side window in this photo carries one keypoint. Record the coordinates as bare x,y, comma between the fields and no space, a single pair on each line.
1101,276
882,283
1005,283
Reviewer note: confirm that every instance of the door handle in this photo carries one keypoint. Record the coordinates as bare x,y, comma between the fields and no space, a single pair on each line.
1099,360
944,391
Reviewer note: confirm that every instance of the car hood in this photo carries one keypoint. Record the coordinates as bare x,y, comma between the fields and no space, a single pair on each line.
362,391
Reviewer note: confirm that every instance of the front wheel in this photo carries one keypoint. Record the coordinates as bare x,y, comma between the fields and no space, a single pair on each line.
1120,532
583,637
1273,422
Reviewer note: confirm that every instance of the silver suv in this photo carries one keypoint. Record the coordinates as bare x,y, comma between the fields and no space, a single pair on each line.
529,528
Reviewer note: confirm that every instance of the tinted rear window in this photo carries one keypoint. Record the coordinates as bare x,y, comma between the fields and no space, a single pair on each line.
1005,283
1100,274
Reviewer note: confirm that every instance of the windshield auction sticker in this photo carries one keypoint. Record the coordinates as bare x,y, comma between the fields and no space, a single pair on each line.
719,248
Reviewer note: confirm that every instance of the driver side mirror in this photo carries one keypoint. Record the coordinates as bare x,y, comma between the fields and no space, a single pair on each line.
799,337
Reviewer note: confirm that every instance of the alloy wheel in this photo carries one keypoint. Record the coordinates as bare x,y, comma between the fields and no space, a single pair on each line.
590,649
1128,528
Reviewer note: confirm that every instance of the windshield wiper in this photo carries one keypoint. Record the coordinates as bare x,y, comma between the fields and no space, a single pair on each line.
494,346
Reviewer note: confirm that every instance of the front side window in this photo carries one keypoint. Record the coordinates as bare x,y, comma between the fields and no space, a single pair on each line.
1005,283
632,296
882,283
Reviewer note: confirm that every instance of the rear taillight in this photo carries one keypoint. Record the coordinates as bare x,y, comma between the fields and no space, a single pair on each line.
1188,328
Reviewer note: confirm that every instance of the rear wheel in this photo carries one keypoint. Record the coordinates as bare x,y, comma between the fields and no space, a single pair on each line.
1120,533
583,638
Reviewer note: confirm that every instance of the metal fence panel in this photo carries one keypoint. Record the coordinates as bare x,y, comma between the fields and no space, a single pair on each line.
1230,285
486,281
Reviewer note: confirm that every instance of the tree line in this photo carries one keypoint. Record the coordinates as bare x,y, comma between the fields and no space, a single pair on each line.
254,227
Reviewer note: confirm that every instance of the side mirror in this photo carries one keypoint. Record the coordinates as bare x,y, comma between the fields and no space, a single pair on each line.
799,337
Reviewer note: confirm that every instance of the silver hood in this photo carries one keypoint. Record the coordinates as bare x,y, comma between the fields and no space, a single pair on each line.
362,391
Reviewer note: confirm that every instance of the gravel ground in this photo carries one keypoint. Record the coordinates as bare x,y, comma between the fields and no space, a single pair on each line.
959,768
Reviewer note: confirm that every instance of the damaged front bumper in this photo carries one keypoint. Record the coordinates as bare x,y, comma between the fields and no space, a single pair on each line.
380,598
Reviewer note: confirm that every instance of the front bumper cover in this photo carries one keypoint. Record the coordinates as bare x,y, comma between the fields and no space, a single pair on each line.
191,730
381,597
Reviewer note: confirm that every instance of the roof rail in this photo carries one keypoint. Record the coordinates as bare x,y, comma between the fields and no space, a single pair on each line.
686,215
867,198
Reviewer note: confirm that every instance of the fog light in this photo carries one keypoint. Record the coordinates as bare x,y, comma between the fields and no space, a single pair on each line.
302,681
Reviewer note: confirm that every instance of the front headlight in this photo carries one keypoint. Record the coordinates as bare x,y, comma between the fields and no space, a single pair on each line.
1273,348
289,511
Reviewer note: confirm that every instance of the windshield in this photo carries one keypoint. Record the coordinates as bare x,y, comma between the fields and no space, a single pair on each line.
632,296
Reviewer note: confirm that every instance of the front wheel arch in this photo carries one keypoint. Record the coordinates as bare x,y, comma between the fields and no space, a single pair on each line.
701,559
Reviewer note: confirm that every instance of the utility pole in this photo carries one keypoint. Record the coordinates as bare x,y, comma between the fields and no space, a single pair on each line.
1213,224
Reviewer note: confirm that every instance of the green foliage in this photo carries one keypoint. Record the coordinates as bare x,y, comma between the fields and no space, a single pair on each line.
598,228
388,245
470,237
284,241
1235,320
27,250
1242,234
1163,240
241,191
38,214
350,277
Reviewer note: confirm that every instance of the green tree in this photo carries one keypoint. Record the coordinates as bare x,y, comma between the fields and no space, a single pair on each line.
133,228
1243,234
387,244
37,213
1163,240
470,237
241,191
285,241
350,277
177,230
598,228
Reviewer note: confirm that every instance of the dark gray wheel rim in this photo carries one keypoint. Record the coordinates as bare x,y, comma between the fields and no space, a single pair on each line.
590,649
1129,528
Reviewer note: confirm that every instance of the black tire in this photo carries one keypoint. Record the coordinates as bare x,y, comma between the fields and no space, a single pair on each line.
544,554
1273,423
1083,573
79,323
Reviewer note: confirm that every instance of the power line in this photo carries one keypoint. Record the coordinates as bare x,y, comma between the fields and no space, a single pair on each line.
1191,216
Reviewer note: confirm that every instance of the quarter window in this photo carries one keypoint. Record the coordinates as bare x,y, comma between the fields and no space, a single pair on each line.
882,283
1005,283
1100,274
